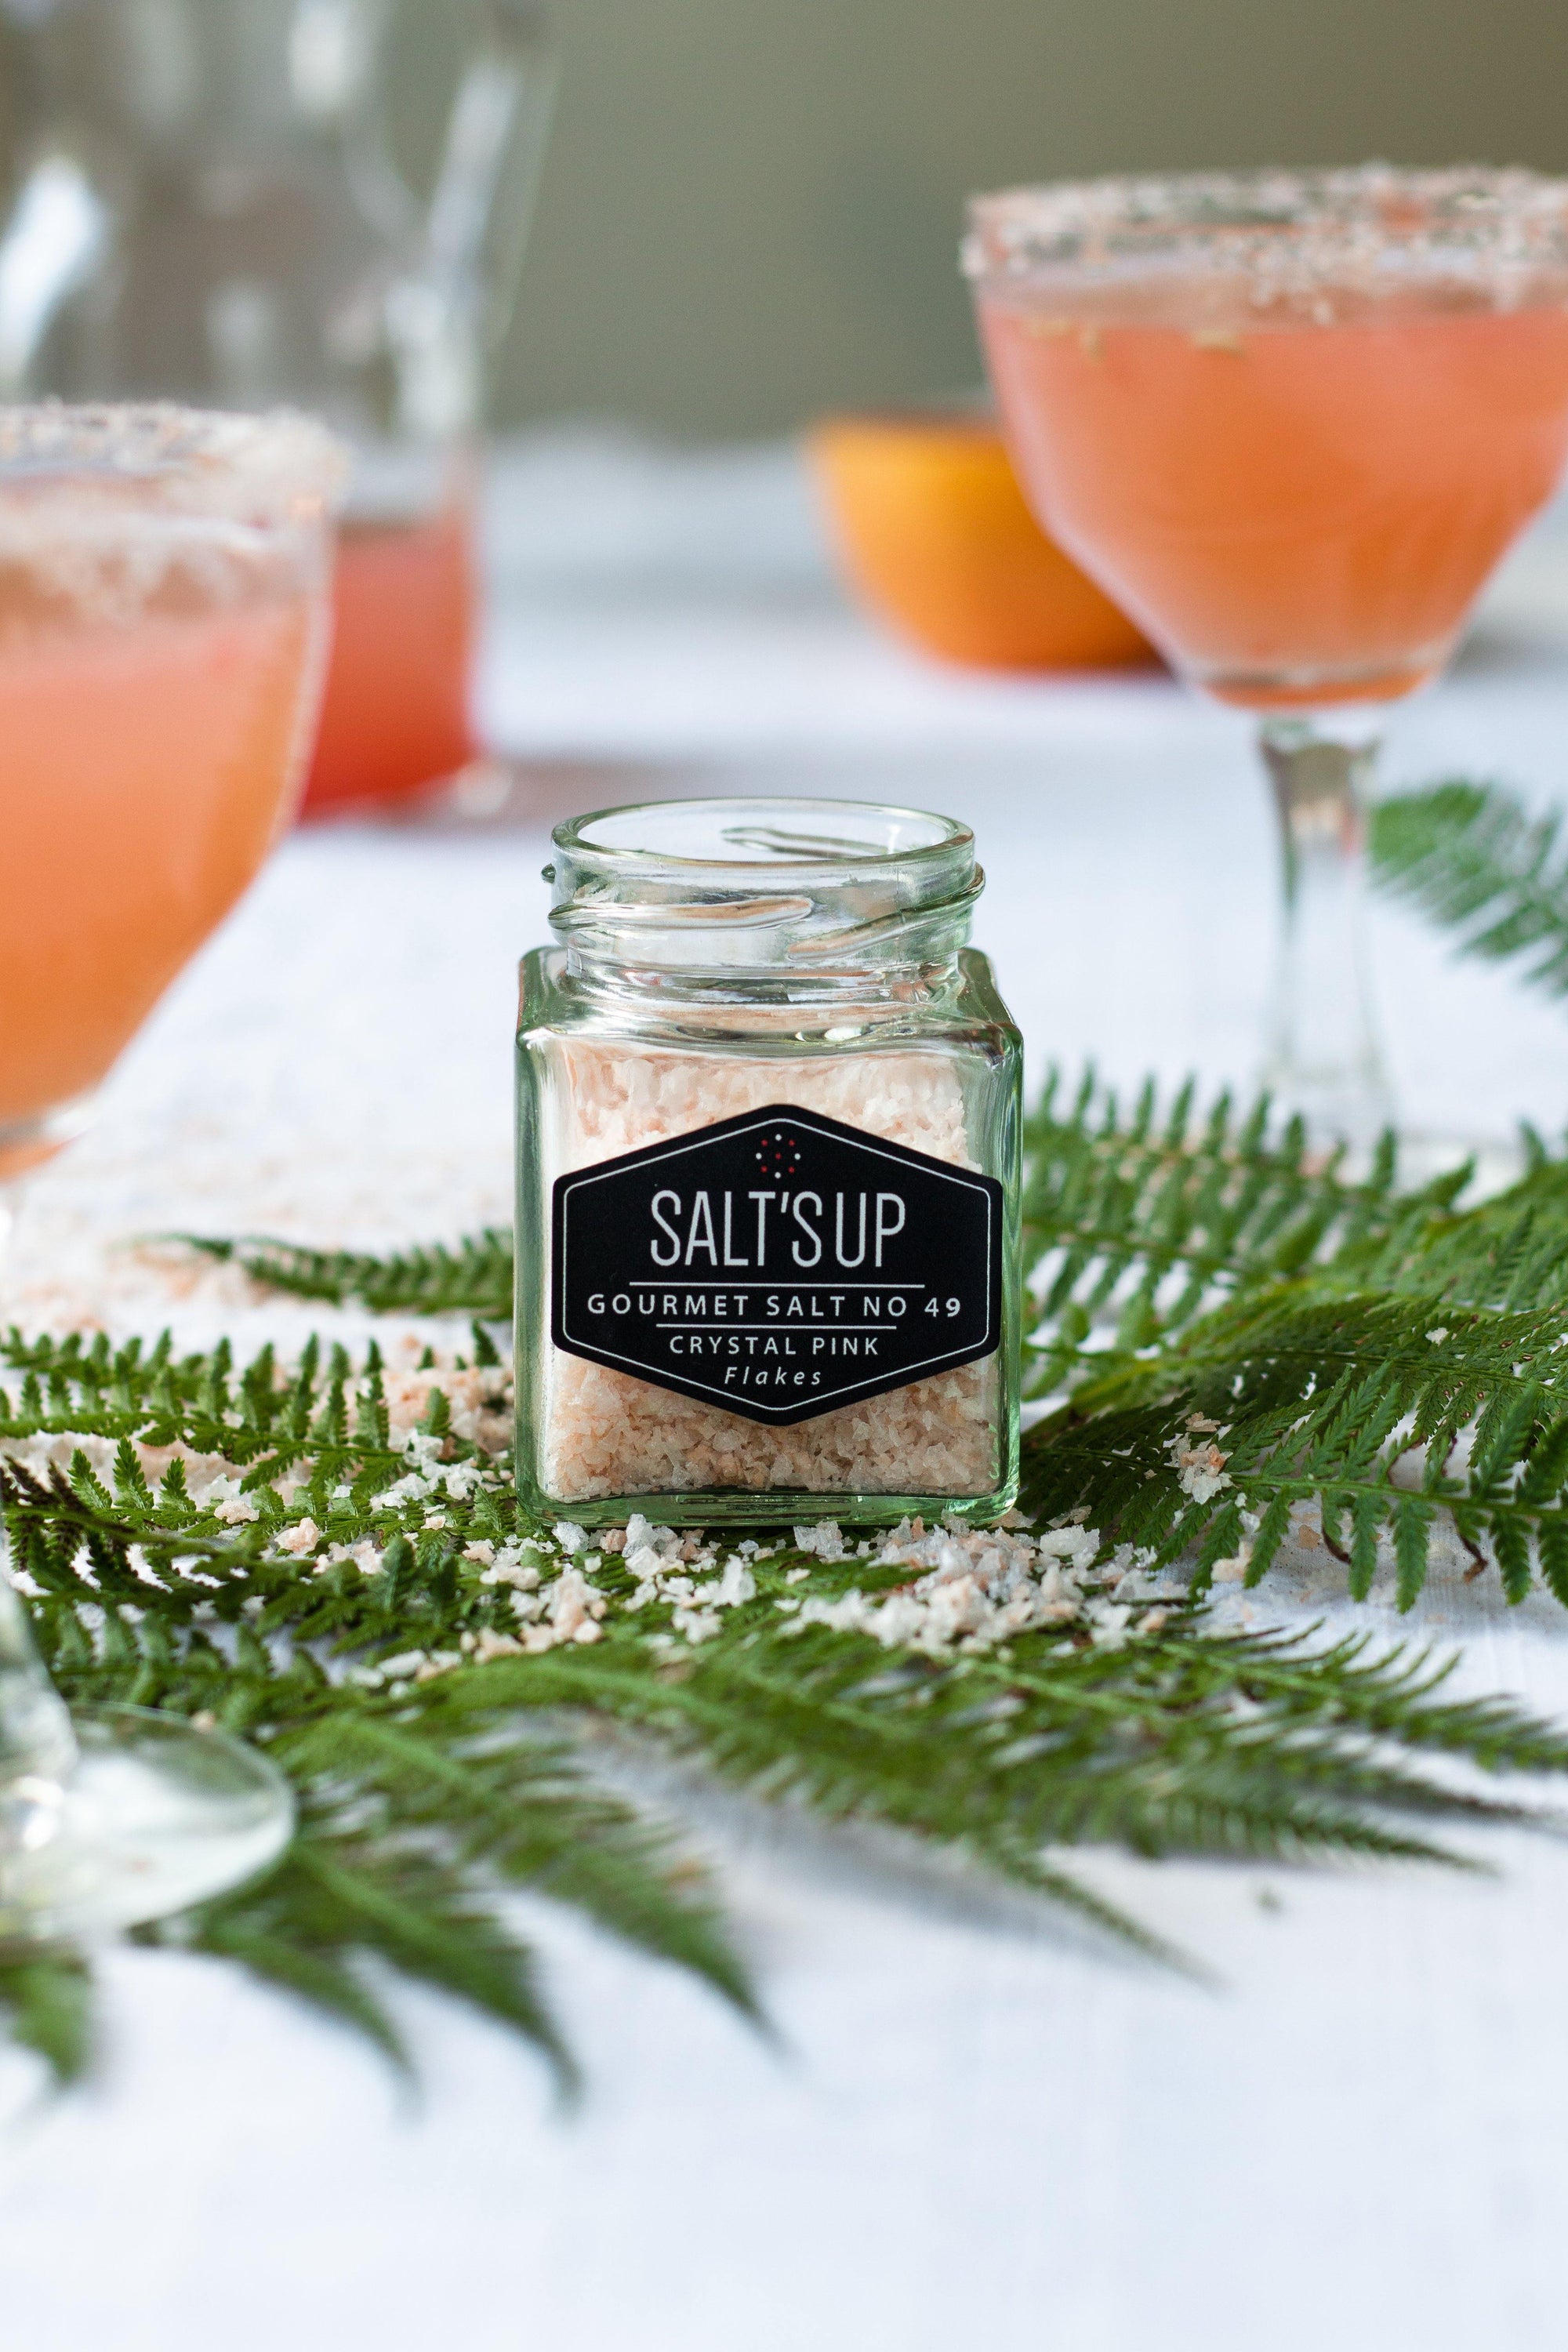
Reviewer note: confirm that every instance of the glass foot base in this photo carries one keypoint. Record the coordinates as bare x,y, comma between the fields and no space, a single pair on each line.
153,1817
1349,1108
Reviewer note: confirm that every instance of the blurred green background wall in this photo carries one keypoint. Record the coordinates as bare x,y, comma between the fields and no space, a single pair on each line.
752,207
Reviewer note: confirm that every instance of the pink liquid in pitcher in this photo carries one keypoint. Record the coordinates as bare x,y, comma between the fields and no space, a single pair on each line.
395,717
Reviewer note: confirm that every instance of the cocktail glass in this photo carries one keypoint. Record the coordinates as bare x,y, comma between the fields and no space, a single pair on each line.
163,586
1290,421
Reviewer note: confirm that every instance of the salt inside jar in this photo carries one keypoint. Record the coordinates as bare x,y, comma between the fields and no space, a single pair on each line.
768,1140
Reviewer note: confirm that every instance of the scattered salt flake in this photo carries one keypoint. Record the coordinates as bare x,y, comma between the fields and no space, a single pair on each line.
515,1564
982,1588
226,1502
364,1555
1199,1467
489,1644
737,1585
1109,1624
1079,1544
302,1537
406,1662
414,1488
571,1601
439,1662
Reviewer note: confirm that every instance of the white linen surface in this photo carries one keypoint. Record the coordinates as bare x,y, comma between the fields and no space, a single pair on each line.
974,2130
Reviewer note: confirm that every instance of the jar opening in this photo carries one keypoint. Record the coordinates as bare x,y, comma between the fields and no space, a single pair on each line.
771,833
763,894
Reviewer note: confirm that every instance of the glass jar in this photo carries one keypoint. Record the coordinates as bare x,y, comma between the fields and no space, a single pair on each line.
768,1145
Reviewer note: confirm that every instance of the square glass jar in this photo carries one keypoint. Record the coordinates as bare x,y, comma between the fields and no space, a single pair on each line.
768,1125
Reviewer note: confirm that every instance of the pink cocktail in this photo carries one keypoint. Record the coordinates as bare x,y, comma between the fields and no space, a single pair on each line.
1290,422
162,631
164,579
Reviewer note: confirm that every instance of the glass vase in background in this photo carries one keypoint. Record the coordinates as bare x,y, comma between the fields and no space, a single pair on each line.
164,616
223,203
1290,421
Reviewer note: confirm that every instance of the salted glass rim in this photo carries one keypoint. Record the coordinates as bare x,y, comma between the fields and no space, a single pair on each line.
1331,219
64,465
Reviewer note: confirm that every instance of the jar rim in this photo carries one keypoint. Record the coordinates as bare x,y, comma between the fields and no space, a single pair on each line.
815,853
775,892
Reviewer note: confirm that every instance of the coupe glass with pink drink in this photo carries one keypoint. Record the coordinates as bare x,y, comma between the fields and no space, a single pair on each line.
1290,421
164,621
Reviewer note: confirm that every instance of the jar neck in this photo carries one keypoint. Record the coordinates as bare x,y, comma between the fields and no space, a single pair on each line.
724,998
764,902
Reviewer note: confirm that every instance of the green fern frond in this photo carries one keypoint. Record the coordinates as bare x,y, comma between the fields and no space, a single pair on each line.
338,1900
1137,1219
1473,860
519,1810
473,1276
1250,1344
1509,1251
1005,1760
1356,1403
46,2005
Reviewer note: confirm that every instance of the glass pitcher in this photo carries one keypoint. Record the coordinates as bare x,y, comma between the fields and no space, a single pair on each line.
208,203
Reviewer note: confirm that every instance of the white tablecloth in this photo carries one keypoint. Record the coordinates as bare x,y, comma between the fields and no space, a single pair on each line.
977,2133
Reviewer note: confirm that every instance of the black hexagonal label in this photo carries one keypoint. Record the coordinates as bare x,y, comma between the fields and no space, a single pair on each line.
777,1264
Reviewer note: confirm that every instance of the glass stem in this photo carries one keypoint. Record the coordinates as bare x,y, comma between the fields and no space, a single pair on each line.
38,1746
1323,1060
37,1753
36,1743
